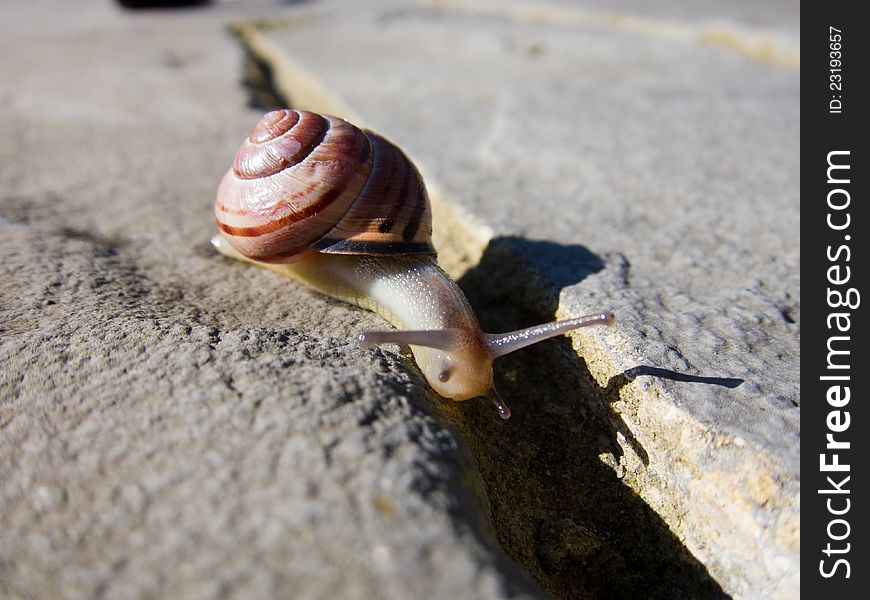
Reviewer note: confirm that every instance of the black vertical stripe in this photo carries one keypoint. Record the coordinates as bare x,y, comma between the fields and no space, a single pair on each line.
401,198
422,200
367,148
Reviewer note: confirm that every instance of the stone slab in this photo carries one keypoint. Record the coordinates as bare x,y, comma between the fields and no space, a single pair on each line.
665,168
172,424
177,425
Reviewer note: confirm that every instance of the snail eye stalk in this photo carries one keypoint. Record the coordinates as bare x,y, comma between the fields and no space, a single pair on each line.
505,343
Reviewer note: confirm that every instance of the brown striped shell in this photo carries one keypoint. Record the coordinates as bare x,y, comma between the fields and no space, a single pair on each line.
303,181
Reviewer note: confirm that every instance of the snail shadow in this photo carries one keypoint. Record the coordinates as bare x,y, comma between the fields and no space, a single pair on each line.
556,507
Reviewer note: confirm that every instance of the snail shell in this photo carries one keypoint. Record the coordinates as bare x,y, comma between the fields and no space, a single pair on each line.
304,182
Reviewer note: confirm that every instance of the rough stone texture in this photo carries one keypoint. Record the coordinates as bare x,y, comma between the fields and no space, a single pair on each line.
174,424
660,145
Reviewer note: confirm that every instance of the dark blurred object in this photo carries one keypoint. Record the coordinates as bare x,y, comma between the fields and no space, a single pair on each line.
160,3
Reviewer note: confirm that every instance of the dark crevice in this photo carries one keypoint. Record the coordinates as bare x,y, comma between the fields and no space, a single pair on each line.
258,78
557,509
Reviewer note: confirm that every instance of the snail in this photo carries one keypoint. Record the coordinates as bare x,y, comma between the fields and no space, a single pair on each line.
345,212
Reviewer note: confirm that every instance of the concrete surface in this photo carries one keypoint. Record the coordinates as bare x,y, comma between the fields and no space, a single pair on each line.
175,424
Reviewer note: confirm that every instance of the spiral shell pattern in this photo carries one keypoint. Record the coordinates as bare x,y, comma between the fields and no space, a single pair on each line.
306,182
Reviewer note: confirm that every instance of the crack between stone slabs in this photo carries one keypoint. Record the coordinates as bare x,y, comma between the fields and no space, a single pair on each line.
532,505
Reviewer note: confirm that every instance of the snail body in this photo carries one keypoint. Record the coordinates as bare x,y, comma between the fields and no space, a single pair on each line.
345,212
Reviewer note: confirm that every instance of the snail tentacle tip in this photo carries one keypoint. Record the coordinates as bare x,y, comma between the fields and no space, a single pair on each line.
365,341
503,411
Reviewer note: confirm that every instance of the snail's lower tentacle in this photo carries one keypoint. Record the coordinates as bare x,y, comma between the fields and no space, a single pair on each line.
441,339
503,411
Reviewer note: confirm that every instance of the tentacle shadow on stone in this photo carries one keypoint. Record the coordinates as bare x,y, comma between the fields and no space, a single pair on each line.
635,372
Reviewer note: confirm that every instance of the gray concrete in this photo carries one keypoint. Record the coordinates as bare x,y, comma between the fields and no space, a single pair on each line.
173,423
